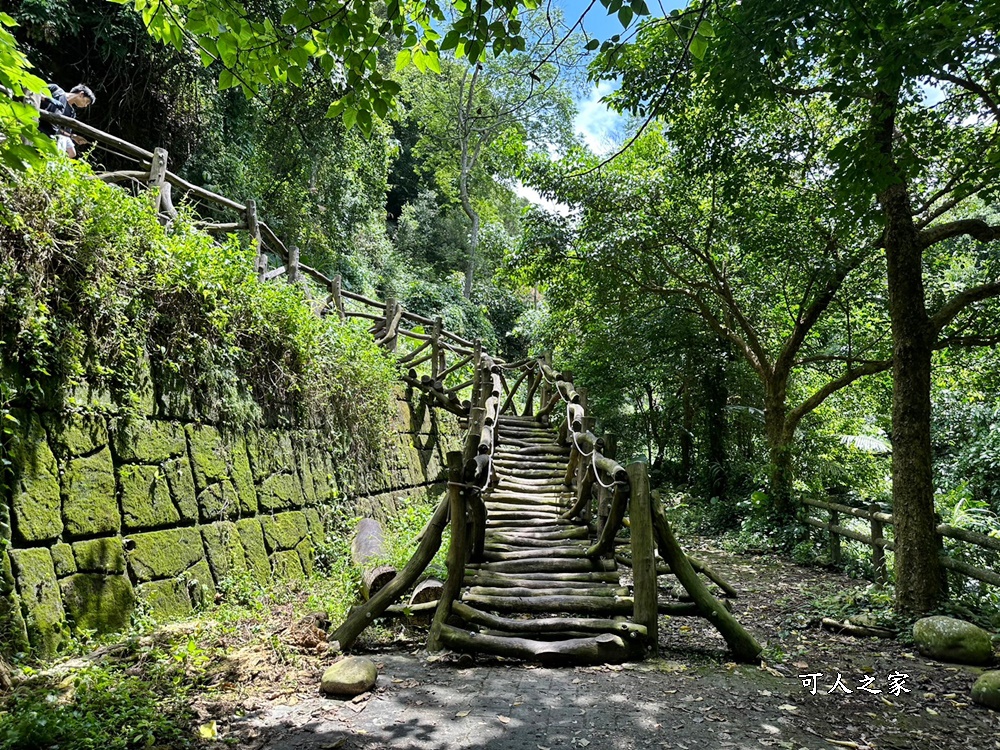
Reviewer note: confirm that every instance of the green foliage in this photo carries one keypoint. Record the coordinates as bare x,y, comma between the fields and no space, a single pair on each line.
97,708
92,287
20,142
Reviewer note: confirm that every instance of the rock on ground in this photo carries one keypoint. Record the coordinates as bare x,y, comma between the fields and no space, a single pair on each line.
951,640
350,676
986,691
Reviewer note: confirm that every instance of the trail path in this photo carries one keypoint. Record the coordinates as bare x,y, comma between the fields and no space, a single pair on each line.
690,698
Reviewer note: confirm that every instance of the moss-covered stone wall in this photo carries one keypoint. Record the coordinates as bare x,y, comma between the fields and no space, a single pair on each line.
107,515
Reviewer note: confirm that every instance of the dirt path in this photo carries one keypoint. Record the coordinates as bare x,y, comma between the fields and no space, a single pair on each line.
691,697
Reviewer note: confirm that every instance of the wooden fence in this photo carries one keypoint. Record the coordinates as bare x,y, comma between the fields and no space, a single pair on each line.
878,518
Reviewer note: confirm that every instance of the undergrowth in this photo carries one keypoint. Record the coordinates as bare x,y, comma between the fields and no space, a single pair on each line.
93,291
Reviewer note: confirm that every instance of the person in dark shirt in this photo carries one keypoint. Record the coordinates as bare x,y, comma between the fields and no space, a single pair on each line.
61,103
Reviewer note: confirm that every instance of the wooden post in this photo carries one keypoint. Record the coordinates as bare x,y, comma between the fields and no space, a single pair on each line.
643,560
477,420
834,538
583,399
603,493
293,264
367,549
742,645
457,552
477,373
336,297
157,179
436,349
529,399
254,226
546,394
878,549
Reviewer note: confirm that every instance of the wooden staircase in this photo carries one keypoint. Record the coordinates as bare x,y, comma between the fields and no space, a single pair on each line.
536,594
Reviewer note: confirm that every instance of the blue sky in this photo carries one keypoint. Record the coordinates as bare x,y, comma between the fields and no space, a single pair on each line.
600,128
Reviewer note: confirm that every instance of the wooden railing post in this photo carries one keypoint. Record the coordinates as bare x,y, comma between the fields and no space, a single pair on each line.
477,371
436,349
293,264
253,225
834,538
157,179
643,560
878,547
457,552
336,298
604,495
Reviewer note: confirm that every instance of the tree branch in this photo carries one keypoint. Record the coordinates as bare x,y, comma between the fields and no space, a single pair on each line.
975,228
870,368
960,301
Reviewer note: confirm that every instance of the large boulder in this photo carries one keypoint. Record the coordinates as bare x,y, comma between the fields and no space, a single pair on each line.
352,675
986,691
950,640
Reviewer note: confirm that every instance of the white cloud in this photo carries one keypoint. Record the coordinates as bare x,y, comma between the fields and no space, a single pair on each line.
533,196
599,127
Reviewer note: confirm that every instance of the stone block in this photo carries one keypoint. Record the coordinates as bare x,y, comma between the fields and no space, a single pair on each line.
271,452
37,501
317,530
88,489
13,635
352,675
950,640
100,555
252,538
45,619
149,441
103,603
165,600
62,559
78,434
146,500
242,476
307,555
224,549
209,455
218,502
201,587
164,554
284,530
986,690
279,492
181,482
287,565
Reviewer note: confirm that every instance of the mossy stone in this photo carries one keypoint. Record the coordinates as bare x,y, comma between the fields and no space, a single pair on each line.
986,691
242,477
317,531
271,452
150,441
209,455
352,675
950,640
39,592
219,501
98,602
307,555
287,565
78,434
224,549
165,600
164,554
279,492
146,501
252,538
13,634
284,530
305,473
201,586
88,489
100,555
37,500
62,559
180,480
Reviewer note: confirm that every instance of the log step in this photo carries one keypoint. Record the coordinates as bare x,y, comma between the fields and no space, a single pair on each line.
582,605
554,565
624,628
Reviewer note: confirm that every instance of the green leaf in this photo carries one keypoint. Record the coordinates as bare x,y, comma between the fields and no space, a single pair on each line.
706,29
403,58
350,117
592,45
699,46
625,15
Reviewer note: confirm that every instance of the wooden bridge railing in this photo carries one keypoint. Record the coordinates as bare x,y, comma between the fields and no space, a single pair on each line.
878,517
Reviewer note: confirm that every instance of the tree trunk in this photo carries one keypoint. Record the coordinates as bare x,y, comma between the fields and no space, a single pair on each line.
920,578
716,398
779,446
470,269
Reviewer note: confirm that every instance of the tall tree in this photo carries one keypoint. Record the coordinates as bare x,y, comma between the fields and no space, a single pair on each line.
914,89
479,120
721,216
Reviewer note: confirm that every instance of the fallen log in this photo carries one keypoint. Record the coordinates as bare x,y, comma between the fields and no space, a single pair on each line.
624,628
361,617
600,649
368,552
